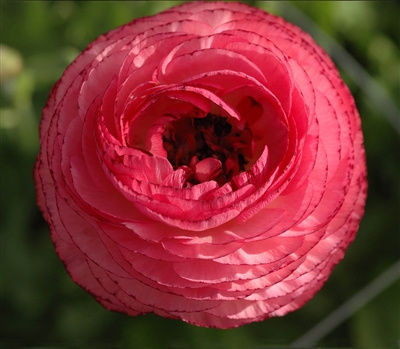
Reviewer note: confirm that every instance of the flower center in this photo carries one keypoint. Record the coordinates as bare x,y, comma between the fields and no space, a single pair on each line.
211,146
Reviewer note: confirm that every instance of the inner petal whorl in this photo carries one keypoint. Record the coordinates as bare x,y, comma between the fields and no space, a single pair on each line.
207,140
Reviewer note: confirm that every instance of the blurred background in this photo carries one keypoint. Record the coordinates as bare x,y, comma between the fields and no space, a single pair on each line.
42,307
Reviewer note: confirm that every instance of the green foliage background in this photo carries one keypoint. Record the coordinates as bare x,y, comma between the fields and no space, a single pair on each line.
42,307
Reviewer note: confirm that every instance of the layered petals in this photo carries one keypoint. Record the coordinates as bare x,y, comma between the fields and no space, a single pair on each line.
204,164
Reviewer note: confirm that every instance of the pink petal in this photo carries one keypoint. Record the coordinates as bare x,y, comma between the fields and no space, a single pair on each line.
263,251
207,169
161,300
181,248
181,67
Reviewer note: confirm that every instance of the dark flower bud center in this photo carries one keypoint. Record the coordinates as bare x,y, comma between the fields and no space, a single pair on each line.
188,141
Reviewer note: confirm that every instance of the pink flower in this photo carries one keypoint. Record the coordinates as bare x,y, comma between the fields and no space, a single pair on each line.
203,164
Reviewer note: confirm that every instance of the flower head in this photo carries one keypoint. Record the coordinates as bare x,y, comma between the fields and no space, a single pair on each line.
204,164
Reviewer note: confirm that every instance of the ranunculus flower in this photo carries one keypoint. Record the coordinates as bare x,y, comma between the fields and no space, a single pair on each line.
203,164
